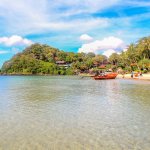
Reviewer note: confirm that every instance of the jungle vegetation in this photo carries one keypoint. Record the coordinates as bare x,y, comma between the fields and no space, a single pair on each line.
42,59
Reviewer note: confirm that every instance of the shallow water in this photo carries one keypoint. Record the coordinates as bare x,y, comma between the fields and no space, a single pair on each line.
73,113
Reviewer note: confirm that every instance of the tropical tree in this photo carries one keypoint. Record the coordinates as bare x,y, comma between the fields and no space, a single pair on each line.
90,55
144,64
114,59
99,59
143,48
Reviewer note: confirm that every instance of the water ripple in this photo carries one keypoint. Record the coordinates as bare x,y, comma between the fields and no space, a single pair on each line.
71,113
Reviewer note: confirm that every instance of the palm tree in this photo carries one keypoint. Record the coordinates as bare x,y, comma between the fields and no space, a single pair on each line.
143,48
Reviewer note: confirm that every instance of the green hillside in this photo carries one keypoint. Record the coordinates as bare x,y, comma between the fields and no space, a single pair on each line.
44,59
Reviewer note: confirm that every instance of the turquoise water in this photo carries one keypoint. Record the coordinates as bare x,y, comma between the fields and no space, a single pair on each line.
73,113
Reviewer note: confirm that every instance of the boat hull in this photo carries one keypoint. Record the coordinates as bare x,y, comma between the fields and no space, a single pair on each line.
106,77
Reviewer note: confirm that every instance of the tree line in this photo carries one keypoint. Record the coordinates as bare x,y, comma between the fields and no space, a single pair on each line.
42,59
135,58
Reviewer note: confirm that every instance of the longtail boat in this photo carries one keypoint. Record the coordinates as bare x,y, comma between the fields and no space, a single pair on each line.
111,75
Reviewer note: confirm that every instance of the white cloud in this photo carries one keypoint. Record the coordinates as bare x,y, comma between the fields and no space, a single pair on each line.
84,6
86,38
15,40
102,45
109,52
4,52
137,3
125,49
26,16
73,24
64,17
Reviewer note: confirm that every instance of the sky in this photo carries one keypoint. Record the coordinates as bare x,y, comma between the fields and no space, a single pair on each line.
99,26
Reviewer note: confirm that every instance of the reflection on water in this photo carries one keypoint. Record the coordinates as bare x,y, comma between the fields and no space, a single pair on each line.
61,113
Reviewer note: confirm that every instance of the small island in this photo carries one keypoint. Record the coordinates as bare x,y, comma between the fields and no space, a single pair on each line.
41,59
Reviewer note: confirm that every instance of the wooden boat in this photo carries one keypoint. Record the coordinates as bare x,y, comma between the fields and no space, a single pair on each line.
111,75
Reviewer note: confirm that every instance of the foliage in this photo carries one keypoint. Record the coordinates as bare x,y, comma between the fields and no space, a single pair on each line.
115,58
144,64
137,56
42,59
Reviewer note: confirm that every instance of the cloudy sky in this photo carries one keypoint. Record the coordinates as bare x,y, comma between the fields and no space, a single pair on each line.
100,26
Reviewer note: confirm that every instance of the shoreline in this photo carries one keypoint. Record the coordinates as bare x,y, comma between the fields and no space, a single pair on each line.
119,76
128,76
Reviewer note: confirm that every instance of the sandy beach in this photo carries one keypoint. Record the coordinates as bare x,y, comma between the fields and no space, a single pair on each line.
128,76
125,76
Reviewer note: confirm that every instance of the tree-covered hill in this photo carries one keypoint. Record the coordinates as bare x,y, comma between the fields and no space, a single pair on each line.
44,59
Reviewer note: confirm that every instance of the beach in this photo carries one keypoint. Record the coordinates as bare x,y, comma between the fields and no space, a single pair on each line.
128,76
125,76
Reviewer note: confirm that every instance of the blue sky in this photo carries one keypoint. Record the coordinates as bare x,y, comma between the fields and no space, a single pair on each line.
100,26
